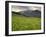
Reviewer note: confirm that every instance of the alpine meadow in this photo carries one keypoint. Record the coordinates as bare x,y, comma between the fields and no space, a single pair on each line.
24,18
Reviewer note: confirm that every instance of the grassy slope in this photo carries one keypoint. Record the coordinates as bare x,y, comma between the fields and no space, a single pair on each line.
25,23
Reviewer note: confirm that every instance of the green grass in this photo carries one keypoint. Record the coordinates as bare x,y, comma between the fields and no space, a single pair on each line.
25,23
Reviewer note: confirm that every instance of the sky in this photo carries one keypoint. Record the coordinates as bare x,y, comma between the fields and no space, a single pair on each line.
24,8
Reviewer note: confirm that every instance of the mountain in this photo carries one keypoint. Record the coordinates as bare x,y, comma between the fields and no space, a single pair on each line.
30,13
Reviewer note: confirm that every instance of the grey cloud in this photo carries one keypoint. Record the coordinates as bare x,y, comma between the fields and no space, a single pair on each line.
23,8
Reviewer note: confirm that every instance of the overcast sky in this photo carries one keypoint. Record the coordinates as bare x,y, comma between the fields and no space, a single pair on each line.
24,8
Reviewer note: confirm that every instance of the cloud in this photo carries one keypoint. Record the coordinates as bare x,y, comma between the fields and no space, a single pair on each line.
24,8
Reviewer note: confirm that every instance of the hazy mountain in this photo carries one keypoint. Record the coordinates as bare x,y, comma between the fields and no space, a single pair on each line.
34,13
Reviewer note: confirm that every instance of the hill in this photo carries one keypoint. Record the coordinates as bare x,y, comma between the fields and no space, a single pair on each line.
29,13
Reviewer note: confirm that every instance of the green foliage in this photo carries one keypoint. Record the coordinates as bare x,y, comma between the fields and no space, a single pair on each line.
25,23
